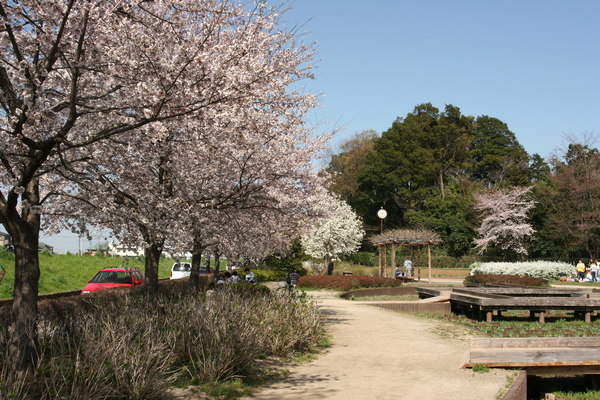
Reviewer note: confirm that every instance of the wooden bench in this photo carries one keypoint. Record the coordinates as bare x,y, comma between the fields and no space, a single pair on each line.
537,356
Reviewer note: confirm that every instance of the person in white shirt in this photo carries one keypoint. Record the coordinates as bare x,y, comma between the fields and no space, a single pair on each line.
408,267
250,276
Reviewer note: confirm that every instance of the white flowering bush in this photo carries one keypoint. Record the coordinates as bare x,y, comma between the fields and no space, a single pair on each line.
339,233
549,270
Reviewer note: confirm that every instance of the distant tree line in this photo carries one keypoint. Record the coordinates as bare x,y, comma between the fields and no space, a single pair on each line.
427,168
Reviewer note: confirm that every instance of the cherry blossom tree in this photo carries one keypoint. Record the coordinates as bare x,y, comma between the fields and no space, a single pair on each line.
338,232
505,220
76,76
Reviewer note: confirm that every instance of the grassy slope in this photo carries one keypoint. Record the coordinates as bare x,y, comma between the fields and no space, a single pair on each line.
64,272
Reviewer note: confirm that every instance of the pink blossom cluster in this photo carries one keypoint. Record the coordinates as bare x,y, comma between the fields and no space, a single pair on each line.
505,221
175,123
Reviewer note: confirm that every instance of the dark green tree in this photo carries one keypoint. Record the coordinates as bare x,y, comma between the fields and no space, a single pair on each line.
288,262
539,169
413,161
497,155
451,217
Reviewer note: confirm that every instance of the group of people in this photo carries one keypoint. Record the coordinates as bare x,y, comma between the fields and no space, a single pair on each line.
408,269
587,273
233,277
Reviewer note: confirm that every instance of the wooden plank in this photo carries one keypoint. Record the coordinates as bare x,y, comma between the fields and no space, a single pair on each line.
534,356
557,369
535,342
444,296
564,370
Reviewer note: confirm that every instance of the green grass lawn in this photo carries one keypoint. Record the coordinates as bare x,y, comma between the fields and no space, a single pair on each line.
65,272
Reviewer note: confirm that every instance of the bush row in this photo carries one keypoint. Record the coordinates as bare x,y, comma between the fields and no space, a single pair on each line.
345,283
123,347
506,280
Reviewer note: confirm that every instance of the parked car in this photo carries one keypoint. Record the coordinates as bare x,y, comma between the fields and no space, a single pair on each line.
181,270
184,269
114,277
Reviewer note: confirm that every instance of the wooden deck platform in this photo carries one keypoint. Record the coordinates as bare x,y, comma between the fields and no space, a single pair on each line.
537,356
483,303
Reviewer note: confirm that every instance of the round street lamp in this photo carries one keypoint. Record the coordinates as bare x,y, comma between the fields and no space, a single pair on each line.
381,214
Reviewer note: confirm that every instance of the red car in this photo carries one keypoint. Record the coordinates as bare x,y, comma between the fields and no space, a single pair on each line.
114,277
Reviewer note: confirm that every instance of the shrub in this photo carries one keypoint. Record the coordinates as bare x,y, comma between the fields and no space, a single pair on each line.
222,336
117,345
247,289
538,269
345,283
114,349
506,280
267,275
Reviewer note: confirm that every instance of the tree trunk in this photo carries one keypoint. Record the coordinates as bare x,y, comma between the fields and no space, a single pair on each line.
24,230
197,251
24,312
153,253
217,264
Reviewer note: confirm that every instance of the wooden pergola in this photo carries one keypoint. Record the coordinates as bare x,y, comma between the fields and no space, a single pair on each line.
412,239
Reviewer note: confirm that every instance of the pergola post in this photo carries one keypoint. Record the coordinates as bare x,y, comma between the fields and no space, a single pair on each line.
419,264
380,261
393,260
429,260
384,261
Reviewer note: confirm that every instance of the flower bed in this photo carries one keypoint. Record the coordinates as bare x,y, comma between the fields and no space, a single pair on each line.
549,270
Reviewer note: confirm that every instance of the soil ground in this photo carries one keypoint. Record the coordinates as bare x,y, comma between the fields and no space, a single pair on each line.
380,354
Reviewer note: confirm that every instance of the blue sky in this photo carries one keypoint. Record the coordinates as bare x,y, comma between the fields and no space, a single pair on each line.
532,64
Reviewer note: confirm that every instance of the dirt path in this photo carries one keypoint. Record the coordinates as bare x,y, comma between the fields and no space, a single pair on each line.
379,354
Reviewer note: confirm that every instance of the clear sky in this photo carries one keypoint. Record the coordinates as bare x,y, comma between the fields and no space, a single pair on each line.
533,64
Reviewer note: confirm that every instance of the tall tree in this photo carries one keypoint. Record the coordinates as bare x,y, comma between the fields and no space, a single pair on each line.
414,159
497,154
573,198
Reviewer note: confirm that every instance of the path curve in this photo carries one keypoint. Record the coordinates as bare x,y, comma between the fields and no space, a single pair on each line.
381,354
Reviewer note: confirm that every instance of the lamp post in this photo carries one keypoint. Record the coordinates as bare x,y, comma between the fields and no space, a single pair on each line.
381,214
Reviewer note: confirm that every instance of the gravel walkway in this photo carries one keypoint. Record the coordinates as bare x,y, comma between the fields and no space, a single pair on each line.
380,354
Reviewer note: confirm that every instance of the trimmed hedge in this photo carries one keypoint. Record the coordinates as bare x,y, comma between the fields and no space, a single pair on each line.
345,283
506,280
